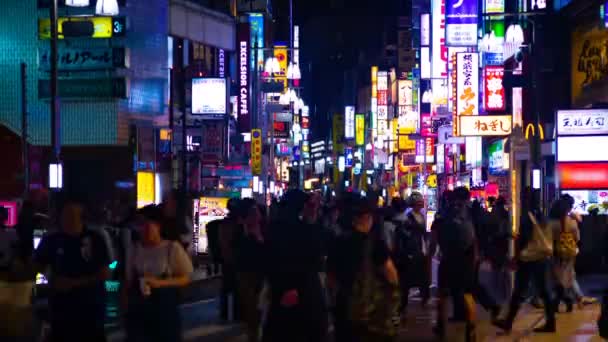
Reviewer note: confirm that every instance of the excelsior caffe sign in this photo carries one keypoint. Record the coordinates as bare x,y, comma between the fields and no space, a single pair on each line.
582,122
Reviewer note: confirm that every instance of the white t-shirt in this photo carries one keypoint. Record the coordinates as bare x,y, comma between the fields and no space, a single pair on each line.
166,259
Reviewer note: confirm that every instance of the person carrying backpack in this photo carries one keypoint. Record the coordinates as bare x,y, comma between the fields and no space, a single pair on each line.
565,229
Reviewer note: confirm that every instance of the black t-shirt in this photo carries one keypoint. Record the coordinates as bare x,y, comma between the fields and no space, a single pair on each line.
73,257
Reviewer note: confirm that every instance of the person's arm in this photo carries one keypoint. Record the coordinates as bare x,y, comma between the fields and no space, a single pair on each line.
390,272
181,267
102,261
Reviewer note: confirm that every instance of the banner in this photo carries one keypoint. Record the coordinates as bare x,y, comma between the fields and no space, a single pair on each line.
582,122
360,129
244,99
256,152
461,22
467,86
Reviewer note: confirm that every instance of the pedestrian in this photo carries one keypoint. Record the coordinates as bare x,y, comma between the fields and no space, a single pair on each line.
396,220
250,261
227,233
16,277
78,262
297,309
365,281
533,252
150,295
412,250
566,233
213,236
457,273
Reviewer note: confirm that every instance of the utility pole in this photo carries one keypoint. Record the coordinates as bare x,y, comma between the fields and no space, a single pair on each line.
184,178
24,147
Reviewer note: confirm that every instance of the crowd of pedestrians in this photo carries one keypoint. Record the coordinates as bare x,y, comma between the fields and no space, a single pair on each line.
302,270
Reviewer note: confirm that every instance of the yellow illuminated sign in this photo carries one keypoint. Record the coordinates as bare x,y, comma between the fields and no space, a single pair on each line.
406,144
103,27
338,133
256,151
374,82
530,128
360,129
146,190
280,53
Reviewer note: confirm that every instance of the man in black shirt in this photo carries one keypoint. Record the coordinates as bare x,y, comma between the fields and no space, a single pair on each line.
78,262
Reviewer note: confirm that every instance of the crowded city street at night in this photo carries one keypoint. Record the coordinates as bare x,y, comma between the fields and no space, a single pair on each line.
304,170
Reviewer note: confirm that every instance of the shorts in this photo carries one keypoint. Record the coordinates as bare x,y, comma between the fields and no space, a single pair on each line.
457,274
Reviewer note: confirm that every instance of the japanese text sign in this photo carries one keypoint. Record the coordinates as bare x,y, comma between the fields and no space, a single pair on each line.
360,129
349,122
494,93
84,58
256,152
467,84
440,51
582,122
485,125
461,22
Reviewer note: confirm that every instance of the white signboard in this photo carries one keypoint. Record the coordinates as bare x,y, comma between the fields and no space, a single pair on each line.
582,122
209,96
425,63
440,50
582,149
382,80
349,122
485,125
467,83
495,6
425,29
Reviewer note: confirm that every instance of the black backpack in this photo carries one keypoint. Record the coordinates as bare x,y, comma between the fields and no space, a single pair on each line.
407,244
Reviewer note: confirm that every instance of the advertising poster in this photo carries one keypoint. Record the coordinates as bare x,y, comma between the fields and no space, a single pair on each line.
495,6
209,96
243,80
461,22
498,159
209,209
588,59
256,152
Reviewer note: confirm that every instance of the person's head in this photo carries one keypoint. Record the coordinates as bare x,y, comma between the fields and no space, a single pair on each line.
416,201
569,200
461,197
559,209
171,203
233,207
363,216
295,203
149,224
250,214
398,205
72,218
531,200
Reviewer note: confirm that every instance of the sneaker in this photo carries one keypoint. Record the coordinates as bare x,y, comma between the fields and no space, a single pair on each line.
547,328
503,324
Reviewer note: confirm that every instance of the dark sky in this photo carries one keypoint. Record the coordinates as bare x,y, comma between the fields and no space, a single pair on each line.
336,36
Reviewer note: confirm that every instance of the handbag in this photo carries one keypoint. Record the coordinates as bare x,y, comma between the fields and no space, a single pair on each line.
566,245
539,247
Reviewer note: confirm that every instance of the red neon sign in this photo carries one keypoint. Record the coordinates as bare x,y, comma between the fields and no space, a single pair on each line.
494,92
583,176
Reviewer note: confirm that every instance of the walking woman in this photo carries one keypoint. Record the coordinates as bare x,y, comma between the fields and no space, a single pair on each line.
565,230
157,269
534,249
250,260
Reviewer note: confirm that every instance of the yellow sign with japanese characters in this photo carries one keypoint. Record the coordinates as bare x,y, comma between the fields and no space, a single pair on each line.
485,125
